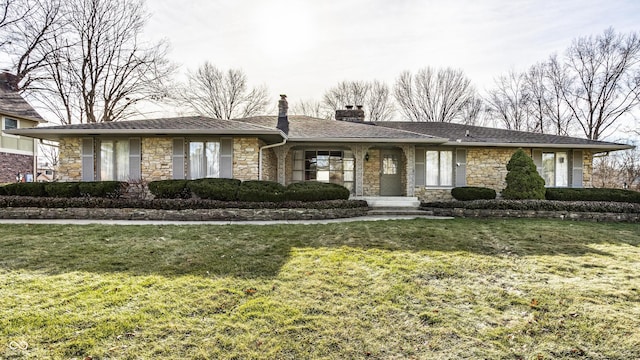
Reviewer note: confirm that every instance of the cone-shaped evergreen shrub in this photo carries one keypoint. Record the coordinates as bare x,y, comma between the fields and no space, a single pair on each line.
523,180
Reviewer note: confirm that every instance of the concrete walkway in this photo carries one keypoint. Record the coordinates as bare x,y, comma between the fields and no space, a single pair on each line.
268,222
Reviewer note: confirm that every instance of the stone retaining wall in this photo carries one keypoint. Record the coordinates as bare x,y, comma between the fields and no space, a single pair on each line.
181,215
534,214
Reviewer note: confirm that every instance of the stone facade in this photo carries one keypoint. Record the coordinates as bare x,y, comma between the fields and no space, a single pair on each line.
70,163
487,167
427,195
157,159
371,183
12,164
246,158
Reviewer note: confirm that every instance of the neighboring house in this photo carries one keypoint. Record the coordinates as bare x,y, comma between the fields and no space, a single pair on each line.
17,152
406,159
45,174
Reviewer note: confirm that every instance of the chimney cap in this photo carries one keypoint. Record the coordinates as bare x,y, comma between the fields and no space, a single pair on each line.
283,96
348,107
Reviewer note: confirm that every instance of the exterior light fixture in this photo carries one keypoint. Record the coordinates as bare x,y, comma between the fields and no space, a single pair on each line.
366,156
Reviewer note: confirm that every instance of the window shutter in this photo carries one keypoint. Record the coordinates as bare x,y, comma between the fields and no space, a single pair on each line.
461,167
178,158
576,173
87,160
537,160
226,158
420,171
135,152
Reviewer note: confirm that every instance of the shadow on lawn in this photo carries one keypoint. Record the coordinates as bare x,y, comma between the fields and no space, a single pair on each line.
261,251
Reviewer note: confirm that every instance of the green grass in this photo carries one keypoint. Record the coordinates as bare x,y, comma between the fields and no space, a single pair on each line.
412,289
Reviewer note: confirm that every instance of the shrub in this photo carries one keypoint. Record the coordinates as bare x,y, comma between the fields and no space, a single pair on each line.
593,194
62,189
25,189
257,190
466,193
315,191
523,180
215,189
102,189
170,189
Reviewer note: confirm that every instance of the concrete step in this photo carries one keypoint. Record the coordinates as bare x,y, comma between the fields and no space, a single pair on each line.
398,211
395,202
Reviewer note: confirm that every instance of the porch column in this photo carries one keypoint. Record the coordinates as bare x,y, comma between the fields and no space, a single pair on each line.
281,155
359,152
410,167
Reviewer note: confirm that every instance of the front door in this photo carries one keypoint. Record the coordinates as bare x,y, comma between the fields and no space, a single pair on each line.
390,172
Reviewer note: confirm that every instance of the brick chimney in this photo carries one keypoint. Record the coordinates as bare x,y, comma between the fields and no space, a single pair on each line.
351,114
283,118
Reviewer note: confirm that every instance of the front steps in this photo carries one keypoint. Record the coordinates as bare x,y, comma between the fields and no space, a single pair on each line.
393,205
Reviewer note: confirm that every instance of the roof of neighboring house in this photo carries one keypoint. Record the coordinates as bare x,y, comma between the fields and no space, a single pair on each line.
310,129
468,135
12,103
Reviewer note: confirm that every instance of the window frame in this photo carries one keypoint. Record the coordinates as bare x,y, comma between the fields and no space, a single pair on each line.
4,126
452,168
115,164
205,162
344,169
567,173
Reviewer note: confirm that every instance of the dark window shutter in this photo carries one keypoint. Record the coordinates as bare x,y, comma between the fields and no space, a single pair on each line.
461,167
178,158
226,158
420,171
88,169
576,173
537,160
135,152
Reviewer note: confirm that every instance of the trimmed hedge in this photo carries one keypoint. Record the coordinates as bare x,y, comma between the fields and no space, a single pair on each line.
538,205
170,189
102,189
215,189
315,191
25,189
62,189
467,193
593,194
256,190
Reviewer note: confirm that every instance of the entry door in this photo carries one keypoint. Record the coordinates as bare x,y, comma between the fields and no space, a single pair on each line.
391,173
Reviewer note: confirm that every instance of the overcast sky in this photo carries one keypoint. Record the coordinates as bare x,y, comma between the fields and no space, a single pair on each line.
303,47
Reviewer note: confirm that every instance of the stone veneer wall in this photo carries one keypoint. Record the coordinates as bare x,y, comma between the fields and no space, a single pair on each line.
245,158
12,164
70,163
371,181
427,195
587,168
487,167
269,164
157,159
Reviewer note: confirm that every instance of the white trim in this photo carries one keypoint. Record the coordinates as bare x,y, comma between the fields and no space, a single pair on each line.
17,152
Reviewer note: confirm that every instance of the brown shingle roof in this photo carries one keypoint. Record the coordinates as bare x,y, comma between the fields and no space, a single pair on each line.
483,136
12,103
305,128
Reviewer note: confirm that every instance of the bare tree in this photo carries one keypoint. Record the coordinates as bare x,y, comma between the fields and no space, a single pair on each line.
374,96
310,108
604,80
433,95
212,92
507,102
26,27
85,61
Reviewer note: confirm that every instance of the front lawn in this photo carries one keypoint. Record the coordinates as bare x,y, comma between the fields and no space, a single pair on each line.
406,289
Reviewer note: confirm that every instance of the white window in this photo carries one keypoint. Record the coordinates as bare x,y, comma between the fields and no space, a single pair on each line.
555,169
439,164
10,124
334,166
204,159
114,160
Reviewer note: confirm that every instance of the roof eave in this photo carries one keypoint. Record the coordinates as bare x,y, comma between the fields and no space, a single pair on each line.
602,147
55,134
30,118
370,140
